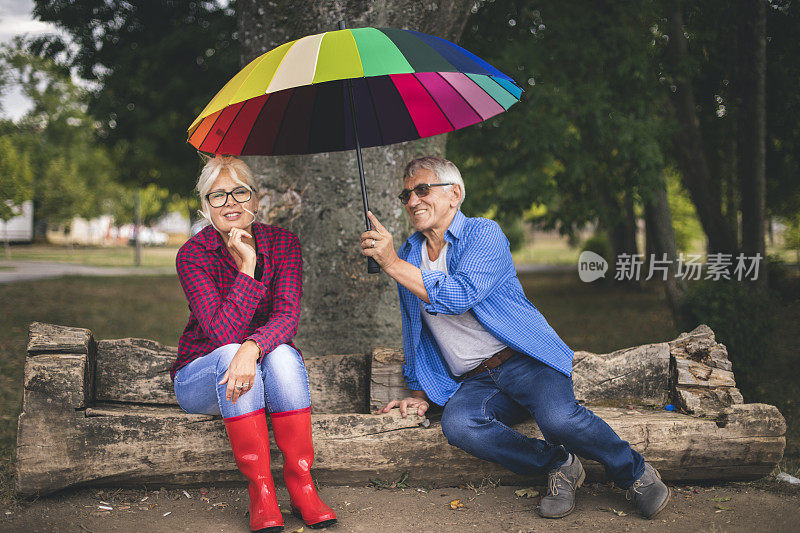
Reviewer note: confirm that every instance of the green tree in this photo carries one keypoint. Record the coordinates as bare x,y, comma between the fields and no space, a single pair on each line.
154,66
72,174
585,138
15,182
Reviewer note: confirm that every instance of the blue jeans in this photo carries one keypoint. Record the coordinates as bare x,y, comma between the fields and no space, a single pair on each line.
283,385
477,419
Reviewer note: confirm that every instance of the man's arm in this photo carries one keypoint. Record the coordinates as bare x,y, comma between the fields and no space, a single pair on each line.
485,263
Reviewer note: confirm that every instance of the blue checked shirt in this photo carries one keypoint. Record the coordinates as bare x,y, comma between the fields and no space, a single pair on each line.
481,278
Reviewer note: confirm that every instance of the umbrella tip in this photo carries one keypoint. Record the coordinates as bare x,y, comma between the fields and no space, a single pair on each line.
342,25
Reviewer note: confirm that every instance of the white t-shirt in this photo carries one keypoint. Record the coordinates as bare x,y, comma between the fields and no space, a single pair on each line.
463,341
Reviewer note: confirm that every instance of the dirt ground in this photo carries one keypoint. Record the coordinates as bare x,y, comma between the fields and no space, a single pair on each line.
749,507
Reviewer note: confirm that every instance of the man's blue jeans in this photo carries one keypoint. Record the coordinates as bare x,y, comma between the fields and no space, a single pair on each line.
283,385
479,416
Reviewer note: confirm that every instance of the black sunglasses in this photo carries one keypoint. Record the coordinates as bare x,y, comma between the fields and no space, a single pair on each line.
421,190
220,198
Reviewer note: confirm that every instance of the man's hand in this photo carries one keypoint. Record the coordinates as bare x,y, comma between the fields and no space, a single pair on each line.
241,373
420,404
378,243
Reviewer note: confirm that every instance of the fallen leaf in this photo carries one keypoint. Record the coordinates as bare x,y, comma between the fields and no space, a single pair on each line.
456,504
300,530
530,492
719,499
723,508
612,510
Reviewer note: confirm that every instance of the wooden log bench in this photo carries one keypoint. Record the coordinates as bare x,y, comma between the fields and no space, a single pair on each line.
104,413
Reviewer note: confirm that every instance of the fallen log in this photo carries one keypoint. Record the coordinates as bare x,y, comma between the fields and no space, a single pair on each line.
104,413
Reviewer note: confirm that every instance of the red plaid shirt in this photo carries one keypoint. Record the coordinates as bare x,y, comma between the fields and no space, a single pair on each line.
227,306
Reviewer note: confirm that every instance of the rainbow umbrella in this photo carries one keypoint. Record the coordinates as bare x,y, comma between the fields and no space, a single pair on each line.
348,89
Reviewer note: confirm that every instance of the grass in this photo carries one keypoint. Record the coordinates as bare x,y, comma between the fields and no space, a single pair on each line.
150,307
547,252
596,317
94,256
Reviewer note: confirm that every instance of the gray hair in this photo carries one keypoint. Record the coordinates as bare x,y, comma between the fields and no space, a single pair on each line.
445,171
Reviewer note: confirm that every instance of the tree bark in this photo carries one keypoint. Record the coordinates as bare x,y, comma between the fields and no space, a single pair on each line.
318,197
752,130
659,228
92,415
689,150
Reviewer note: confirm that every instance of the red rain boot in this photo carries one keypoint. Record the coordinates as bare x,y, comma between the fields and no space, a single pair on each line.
293,436
250,442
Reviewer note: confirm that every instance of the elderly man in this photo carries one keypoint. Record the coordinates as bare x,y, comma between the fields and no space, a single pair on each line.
474,344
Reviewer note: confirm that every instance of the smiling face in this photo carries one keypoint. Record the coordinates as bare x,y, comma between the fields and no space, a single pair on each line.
435,211
231,215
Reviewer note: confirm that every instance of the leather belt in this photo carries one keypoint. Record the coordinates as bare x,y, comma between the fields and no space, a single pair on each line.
489,364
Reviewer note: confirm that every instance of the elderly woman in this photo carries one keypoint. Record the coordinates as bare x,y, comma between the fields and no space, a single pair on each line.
235,358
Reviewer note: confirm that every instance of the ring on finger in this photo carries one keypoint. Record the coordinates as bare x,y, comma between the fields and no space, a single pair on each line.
373,244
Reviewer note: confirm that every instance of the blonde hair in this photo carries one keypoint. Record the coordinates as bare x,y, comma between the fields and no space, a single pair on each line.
236,169
445,171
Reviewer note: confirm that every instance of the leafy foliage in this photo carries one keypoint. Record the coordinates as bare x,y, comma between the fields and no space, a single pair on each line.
71,174
589,124
15,185
154,65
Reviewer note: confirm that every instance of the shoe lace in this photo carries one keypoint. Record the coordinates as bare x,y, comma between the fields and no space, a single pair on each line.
633,490
553,479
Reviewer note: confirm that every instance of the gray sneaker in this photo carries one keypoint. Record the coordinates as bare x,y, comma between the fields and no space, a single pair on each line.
649,493
561,486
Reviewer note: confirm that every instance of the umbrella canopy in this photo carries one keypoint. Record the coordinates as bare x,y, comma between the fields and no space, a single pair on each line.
406,85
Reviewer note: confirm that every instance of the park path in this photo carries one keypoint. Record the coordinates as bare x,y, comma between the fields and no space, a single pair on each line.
16,271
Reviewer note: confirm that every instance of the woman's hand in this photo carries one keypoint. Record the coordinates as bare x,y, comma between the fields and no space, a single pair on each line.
244,252
241,373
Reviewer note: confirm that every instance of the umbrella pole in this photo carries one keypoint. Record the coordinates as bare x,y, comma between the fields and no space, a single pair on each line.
372,265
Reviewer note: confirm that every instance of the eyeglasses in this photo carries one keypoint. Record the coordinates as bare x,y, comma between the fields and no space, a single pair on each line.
219,198
421,190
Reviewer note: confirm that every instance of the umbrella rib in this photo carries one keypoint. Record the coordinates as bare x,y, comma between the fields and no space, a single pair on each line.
283,118
209,131
374,110
462,96
437,103
224,135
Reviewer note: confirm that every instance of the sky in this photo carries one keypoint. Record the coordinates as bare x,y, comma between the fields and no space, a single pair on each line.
15,19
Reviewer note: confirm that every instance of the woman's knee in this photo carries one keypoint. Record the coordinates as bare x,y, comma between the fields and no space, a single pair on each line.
283,363
224,355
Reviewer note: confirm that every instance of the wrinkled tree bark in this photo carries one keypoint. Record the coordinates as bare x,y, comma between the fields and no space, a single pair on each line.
318,197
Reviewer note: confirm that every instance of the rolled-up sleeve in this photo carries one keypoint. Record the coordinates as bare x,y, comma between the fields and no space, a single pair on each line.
484,265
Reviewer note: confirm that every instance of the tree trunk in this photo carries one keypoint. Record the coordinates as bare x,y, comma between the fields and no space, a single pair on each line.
659,227
318,197
689,150
752,130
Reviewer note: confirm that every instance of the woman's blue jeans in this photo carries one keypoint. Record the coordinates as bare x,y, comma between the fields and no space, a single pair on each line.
479,416
283,385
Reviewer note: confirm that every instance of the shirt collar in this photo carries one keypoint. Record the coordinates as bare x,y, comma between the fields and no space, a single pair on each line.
455,229
211,240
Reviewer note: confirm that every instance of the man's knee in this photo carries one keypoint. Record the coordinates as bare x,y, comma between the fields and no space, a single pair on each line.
461,429
559,423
